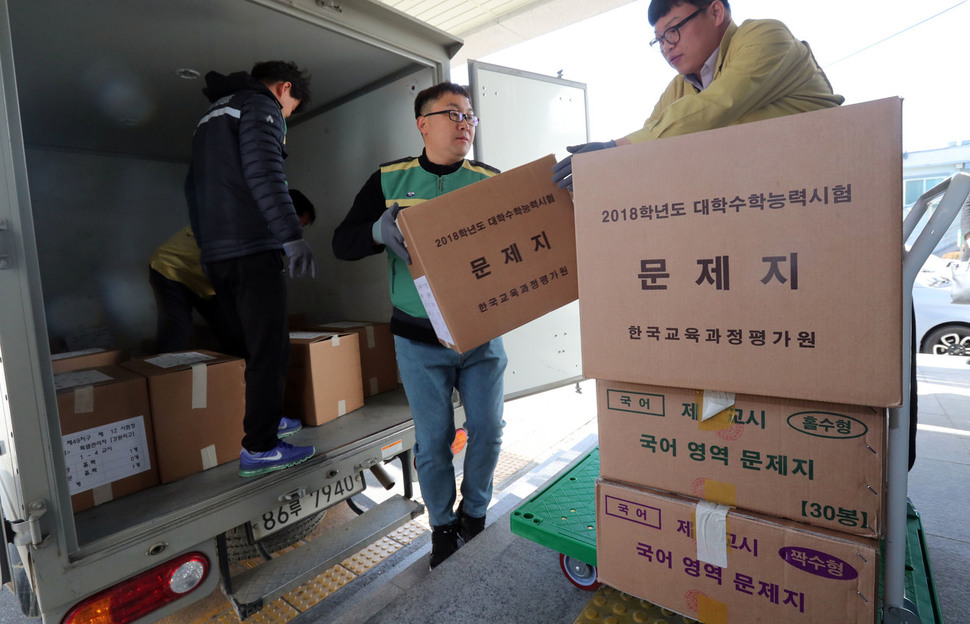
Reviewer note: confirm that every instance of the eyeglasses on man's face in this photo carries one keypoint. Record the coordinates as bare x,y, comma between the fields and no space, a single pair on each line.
672,34
456,116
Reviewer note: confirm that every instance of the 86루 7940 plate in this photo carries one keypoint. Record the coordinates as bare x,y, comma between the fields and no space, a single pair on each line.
330,493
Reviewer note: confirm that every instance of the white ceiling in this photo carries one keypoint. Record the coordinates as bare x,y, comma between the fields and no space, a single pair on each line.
491,25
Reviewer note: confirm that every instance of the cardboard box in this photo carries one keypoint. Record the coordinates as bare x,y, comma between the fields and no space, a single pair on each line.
764,258
820,463
493,256
88,358
378,363
323,381
728,568
198,401
106,434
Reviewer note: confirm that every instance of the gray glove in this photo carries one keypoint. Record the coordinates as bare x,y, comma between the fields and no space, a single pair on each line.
390,234
562,171
301,258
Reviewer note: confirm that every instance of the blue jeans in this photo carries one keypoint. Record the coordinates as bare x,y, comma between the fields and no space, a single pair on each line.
429,373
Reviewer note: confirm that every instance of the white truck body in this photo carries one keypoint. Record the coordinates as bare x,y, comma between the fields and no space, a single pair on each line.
96,119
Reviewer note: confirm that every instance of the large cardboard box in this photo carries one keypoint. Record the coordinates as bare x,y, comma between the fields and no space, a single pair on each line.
87,358
763,258
198,401
323,381
820,463
106,434
737,567
378,363
493,256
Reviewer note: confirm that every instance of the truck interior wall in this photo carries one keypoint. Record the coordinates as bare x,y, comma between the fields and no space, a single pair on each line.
331,156
98,218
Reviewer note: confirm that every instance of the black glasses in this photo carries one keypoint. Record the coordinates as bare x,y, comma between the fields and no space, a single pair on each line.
456,116
672,34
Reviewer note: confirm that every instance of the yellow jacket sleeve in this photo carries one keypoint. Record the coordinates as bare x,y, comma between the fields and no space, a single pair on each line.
762,72
178,259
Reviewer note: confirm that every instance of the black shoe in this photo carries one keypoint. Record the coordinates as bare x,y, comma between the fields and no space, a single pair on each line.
444,542
468,526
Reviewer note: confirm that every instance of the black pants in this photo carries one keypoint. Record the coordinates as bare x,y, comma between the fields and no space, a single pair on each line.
175,302
251,293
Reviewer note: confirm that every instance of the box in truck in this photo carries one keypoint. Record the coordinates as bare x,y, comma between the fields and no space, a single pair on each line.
106,434
198,401
323,381
86,358
378,363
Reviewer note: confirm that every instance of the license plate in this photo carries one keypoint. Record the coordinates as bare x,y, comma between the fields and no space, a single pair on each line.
330,493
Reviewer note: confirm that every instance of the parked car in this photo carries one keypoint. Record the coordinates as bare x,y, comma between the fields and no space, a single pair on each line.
942,327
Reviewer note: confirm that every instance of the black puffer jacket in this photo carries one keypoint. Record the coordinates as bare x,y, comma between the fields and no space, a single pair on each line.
238,200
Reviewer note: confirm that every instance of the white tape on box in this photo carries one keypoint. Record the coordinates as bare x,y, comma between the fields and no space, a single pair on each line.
84,400
369,333
711,528
716,402
434,313
102,494
200,385
209,459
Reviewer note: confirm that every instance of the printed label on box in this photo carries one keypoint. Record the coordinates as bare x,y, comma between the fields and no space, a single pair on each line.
102,455
306,335
71,354
74,379
171,360
434,312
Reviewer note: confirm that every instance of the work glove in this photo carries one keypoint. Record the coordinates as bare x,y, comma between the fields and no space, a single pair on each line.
389,234
301,258
562,171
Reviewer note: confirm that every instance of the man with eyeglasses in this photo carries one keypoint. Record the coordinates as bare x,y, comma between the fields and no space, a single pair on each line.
728,74
430,371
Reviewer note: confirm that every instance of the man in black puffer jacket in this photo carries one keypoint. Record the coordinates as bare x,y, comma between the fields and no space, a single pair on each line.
244,221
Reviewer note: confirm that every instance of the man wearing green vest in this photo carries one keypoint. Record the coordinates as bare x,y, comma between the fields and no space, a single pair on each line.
430,371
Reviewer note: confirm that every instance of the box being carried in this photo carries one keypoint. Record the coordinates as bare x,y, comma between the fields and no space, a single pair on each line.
764,258
106,434
378,364
323,381
820,463
712,565
198,402
493,256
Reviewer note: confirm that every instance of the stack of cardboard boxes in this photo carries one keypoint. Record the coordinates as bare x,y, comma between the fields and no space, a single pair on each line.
740,305
129,424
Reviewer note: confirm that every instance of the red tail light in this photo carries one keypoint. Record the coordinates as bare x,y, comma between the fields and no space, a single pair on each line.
142,594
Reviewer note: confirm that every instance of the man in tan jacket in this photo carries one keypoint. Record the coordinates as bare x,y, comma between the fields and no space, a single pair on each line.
727,74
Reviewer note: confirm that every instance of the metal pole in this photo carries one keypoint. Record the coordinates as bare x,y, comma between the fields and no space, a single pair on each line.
955,192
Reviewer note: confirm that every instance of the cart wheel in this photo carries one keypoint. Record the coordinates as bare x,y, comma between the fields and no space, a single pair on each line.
580,574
